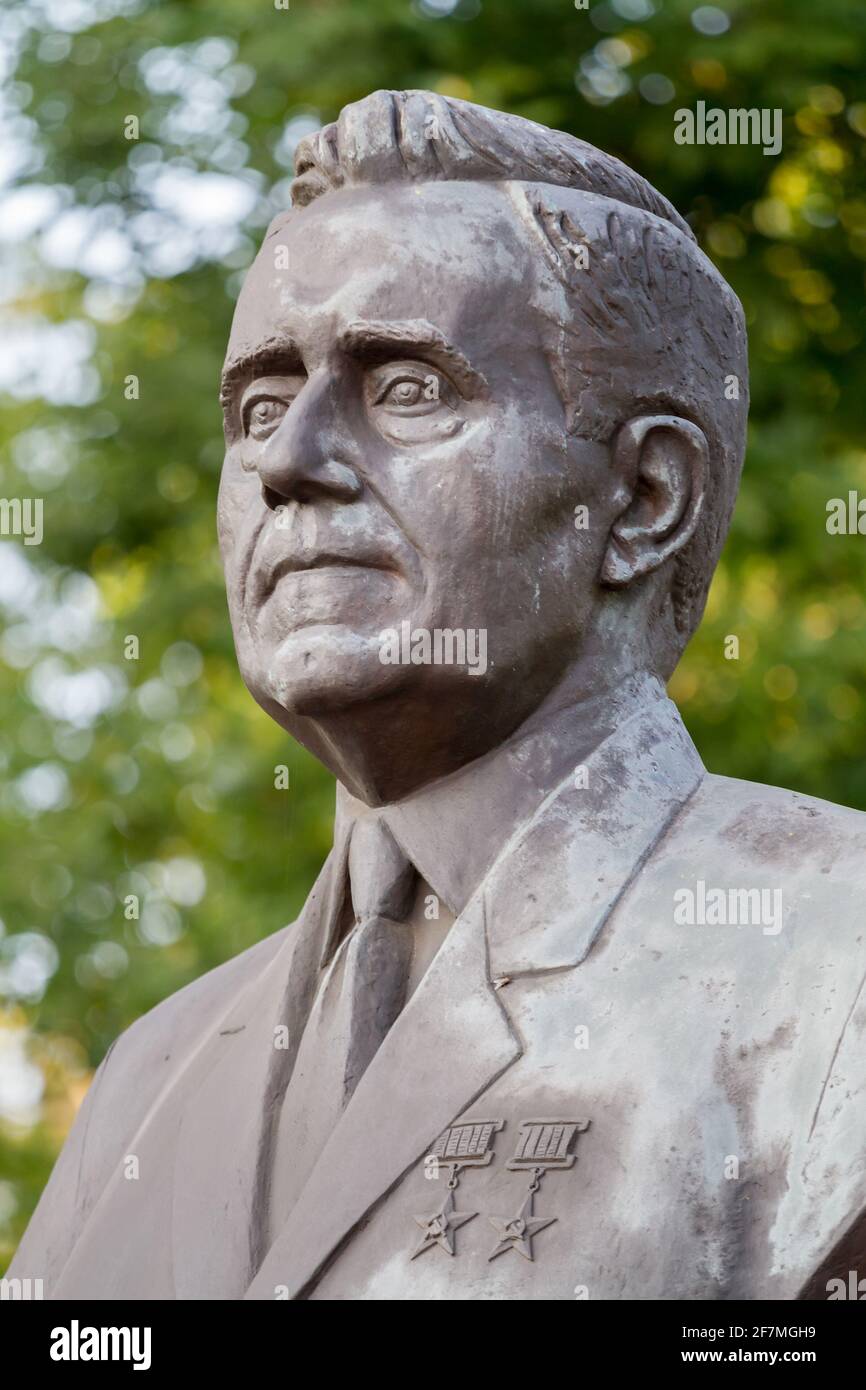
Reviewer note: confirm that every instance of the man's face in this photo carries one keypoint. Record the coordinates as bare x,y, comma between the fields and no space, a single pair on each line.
396,454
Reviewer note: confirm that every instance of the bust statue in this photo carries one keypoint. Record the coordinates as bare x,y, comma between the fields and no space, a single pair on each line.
565,1015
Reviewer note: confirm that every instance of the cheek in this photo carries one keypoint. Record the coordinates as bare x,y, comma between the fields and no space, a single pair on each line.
225,521
525,493
484,502
233,501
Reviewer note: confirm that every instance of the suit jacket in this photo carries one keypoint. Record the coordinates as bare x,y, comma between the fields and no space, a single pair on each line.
721,1068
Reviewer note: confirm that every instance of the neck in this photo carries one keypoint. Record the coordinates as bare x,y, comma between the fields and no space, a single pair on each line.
387,749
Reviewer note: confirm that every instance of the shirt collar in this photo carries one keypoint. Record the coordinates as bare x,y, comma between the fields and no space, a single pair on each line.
454,829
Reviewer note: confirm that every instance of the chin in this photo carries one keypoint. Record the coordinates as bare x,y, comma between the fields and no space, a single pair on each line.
323,670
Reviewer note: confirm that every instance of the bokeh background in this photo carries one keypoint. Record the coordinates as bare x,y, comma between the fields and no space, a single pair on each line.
122,257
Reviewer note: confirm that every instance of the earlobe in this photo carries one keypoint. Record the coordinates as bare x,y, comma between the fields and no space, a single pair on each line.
663,461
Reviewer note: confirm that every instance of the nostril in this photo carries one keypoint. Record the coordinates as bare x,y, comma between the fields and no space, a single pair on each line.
291,481
272,499
300,491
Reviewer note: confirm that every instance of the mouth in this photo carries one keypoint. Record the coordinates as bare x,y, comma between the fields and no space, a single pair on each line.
323,563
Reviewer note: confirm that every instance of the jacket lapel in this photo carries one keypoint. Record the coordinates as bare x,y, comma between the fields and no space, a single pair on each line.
557,881
206,1138
449,1044
231,1099
193,1221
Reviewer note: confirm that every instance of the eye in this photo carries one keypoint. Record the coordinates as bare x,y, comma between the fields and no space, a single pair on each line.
412,402
264,403
404,393
262,416
419,392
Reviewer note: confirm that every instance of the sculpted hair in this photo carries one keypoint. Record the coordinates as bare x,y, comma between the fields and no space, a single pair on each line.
637,319
640,322
415,136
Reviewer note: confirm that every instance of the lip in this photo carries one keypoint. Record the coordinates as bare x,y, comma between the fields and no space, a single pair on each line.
323,562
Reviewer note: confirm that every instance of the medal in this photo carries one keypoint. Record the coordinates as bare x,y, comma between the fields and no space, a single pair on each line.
542,1145
461,1146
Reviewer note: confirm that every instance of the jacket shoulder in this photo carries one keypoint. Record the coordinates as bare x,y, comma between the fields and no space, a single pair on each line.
176,1022
148,1053
772,827
127,1082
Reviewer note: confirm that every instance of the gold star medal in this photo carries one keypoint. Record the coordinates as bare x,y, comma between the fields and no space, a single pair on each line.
462,1146
542,1145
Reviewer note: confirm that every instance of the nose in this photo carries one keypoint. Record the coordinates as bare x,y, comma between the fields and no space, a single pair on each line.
305,458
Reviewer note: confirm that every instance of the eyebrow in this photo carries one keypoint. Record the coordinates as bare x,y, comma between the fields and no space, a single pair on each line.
370,337
361,338
273,357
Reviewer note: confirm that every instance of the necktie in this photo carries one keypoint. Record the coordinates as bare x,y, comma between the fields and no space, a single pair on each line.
378,950
360,995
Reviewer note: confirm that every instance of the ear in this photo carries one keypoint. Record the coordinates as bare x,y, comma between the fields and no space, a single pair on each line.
661,461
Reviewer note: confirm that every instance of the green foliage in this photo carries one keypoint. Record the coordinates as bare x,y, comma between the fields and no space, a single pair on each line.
175,778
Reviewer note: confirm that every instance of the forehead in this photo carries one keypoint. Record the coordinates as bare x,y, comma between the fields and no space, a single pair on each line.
452,253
